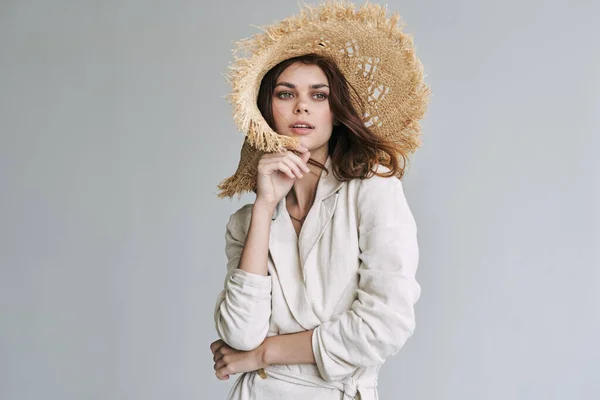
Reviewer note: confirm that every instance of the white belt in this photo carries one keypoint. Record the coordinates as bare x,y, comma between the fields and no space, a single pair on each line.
352,386
349,386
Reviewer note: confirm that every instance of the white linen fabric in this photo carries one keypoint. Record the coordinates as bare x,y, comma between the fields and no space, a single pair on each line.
349,275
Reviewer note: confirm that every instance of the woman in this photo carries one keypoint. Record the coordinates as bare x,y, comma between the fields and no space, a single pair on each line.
321,286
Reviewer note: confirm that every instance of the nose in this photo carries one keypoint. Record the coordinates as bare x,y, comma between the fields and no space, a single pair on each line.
301,106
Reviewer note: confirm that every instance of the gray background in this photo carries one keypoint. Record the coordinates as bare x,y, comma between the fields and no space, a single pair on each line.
115,133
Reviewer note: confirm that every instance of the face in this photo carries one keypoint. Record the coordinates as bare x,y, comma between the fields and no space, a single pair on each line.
302,94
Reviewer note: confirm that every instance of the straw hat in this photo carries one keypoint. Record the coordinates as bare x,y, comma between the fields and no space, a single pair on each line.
370,49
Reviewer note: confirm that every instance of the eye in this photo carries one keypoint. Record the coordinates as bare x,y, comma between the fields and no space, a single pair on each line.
284,95
321,96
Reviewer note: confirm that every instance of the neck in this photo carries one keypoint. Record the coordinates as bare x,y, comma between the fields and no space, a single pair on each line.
303,192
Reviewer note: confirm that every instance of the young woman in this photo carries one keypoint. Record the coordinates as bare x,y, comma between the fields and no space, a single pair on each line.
320,288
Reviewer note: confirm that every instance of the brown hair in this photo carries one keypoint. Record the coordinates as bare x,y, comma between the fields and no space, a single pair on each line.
353,147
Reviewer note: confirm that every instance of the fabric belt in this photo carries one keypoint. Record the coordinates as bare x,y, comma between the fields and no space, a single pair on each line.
349,386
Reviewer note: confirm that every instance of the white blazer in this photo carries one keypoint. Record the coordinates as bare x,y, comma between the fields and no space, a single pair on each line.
350,276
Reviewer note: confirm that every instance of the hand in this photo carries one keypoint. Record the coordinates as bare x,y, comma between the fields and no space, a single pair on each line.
277,172
230,361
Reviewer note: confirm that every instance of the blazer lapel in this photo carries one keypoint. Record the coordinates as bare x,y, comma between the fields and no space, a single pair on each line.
320,213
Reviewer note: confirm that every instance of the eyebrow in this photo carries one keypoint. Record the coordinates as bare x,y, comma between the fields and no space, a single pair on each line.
292,86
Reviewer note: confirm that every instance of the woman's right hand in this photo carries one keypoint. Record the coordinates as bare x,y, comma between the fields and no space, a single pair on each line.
277,173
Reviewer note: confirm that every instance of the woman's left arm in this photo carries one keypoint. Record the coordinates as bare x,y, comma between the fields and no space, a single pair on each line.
382,317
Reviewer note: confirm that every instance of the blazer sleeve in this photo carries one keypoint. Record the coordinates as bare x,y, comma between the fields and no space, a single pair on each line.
382,317
243,307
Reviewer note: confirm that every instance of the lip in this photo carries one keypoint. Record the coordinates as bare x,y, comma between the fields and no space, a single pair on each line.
301,131
300,122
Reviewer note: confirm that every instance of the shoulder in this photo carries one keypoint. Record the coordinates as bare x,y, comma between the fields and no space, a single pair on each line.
377,186
239,221
380,197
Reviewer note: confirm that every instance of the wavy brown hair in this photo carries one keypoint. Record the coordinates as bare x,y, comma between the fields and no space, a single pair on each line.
353,147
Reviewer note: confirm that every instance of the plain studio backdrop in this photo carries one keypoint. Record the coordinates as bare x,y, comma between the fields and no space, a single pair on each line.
115,133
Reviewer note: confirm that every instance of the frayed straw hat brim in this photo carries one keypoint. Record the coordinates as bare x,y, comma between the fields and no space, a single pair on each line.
370,49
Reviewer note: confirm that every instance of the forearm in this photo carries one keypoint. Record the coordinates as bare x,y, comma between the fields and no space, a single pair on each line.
243,307
376,327
256,248
294,348
243,310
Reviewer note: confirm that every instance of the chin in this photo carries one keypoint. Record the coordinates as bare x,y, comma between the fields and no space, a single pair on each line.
312,143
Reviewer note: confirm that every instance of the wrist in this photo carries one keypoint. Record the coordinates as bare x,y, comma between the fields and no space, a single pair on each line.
261,207
264,352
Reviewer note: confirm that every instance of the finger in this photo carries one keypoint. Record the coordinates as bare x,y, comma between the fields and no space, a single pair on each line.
305,156
218,355
274,158
293,167
268,166
216,345
299,161
219,364
301,148
221,377
277,155
281,166
222,351
223,373
269,156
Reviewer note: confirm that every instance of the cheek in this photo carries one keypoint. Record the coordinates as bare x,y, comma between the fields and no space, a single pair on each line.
326,116
279,113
